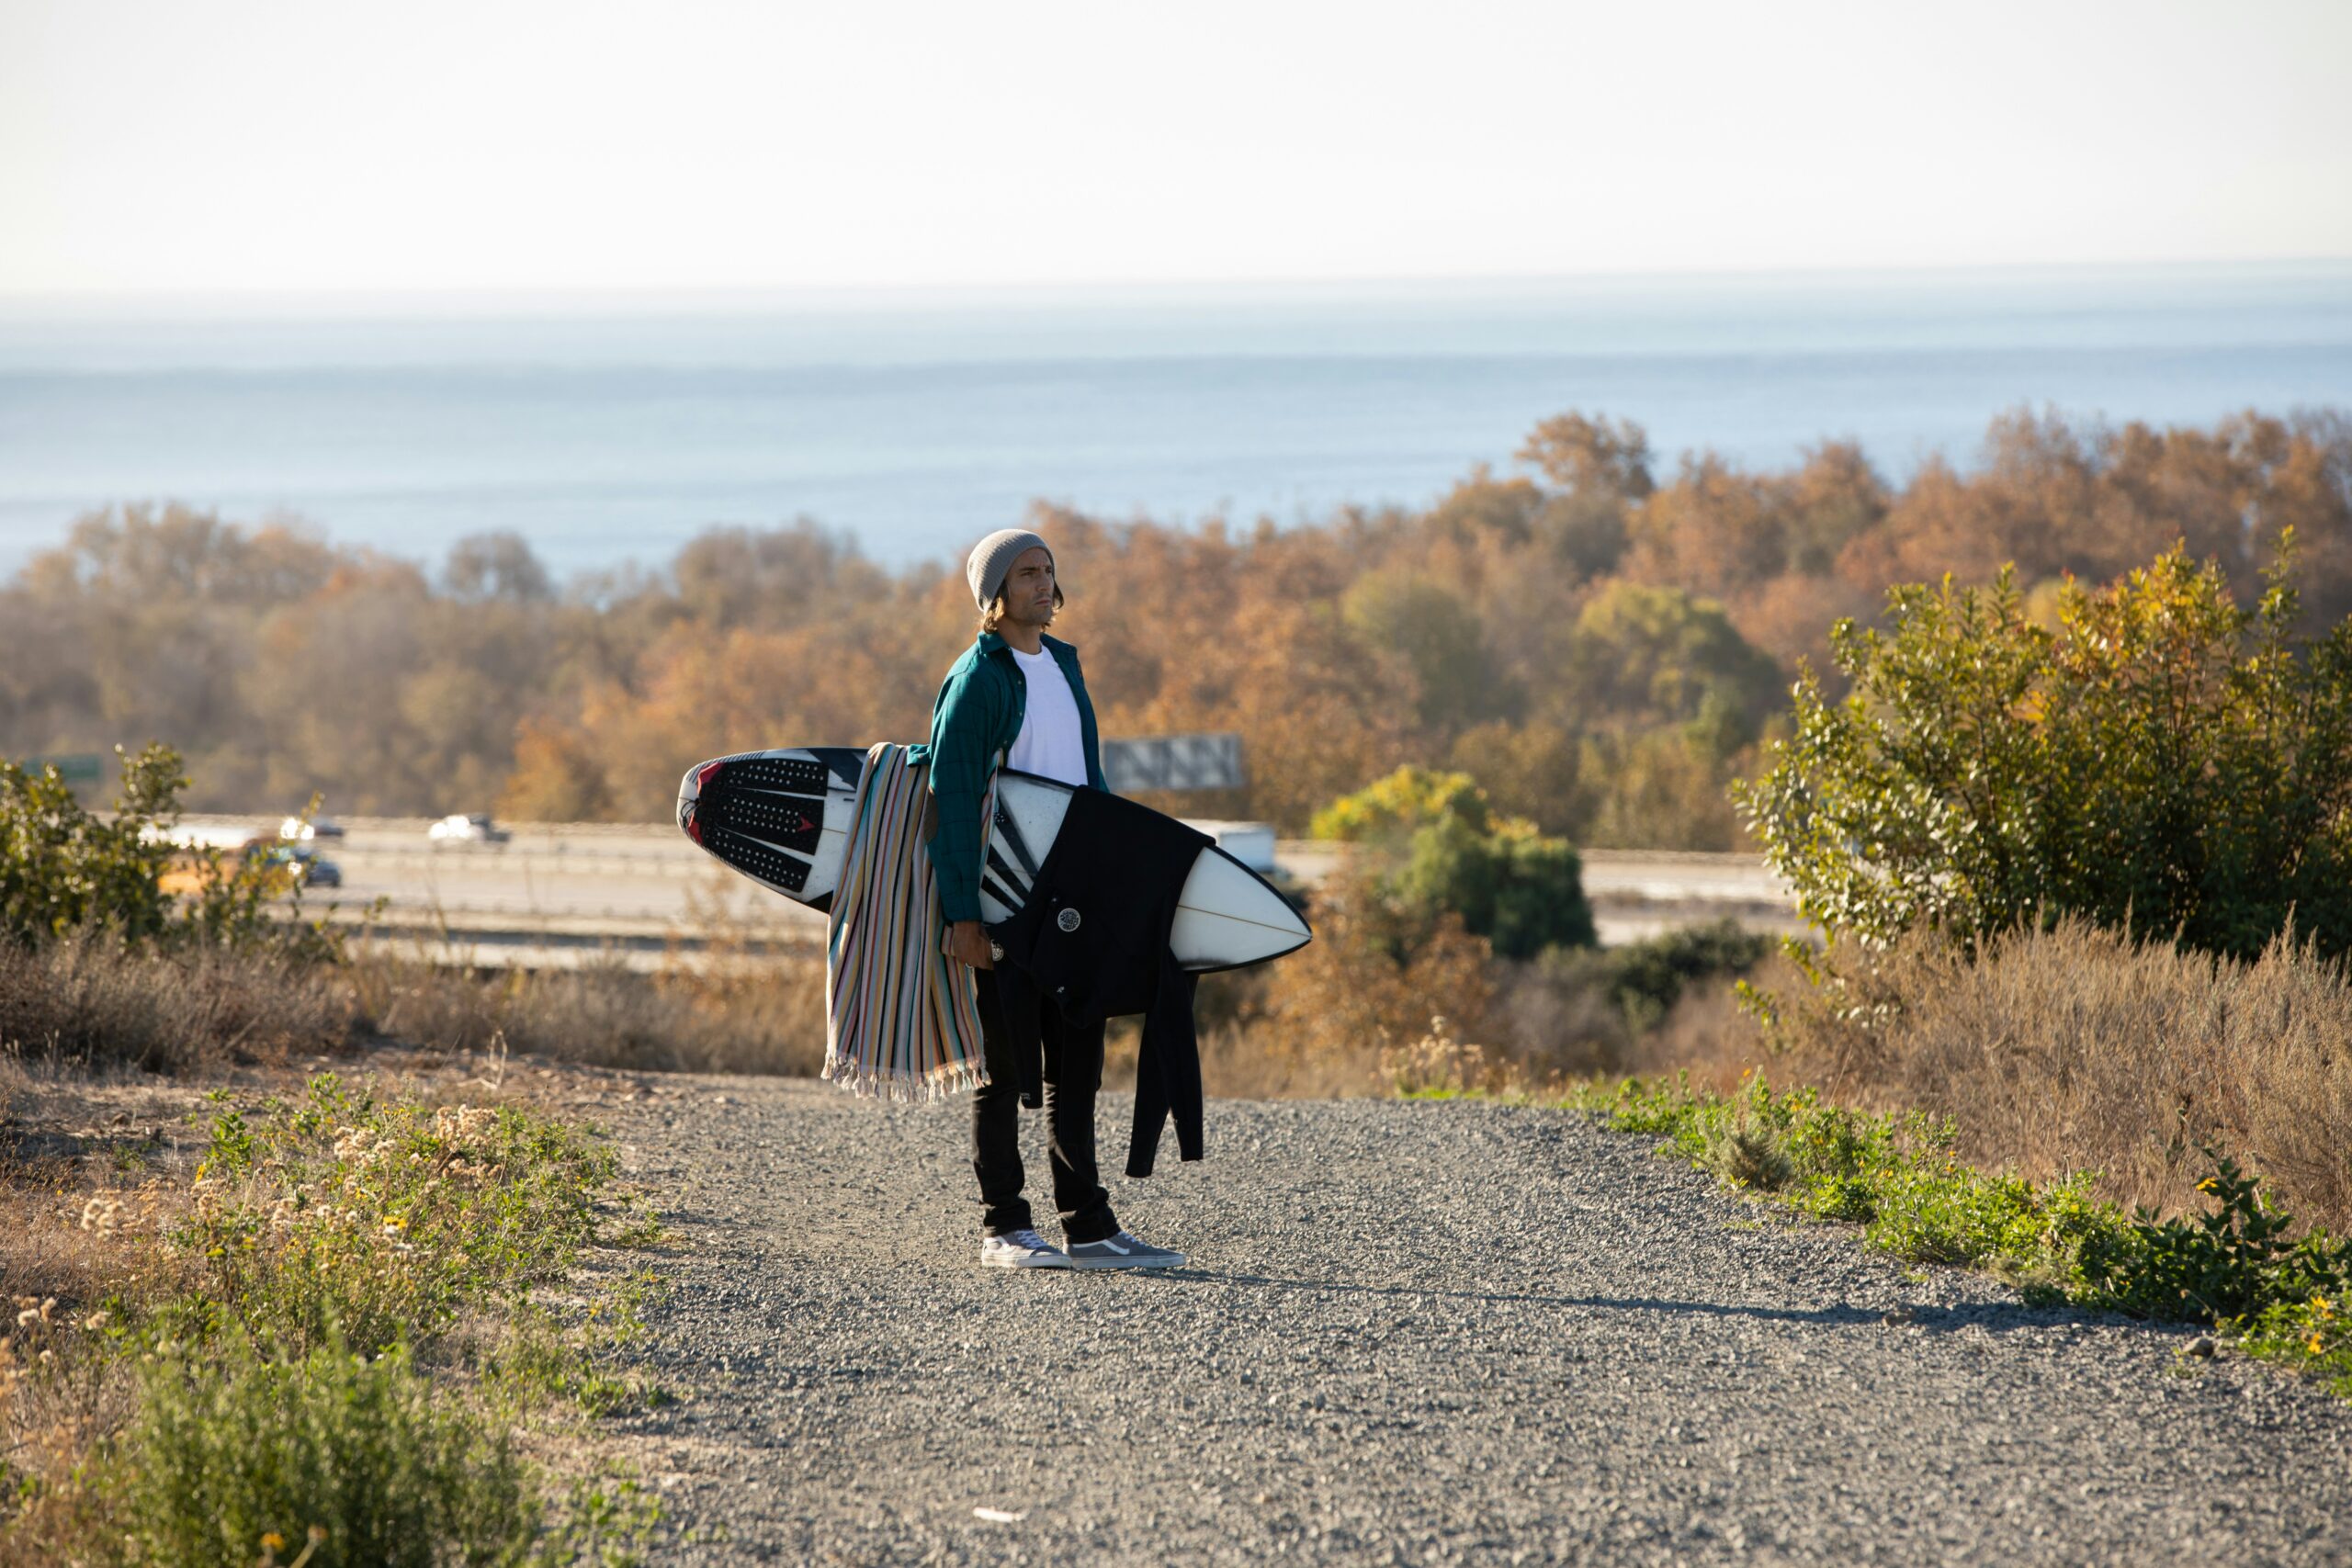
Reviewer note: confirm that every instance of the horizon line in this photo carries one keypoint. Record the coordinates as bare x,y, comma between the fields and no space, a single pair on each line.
703,298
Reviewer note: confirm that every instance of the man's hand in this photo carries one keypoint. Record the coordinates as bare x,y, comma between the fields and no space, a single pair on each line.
967,944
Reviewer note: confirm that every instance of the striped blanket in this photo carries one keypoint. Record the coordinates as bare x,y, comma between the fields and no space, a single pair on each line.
901,1018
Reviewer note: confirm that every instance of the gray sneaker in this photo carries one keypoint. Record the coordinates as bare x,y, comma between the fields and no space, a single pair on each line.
1021,1250
1122,1251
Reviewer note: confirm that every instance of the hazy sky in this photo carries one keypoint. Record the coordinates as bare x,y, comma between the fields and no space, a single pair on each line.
198,145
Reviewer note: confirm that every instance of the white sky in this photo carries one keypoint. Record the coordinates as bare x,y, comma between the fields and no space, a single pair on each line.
525,145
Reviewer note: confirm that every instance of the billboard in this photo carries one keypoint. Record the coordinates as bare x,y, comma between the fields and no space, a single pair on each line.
1173,761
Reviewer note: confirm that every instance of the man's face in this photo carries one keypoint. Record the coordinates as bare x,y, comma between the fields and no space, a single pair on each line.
1029,589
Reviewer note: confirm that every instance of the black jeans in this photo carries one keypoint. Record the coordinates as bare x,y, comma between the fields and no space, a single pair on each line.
1073,1073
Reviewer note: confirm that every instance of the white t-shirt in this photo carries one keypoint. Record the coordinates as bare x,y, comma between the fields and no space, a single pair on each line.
1051,742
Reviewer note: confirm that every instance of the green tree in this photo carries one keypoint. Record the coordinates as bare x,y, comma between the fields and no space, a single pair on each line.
1642,657
2163,762
1437,633
1437,846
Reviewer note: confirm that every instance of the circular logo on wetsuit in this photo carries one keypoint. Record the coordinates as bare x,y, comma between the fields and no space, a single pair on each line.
1067,920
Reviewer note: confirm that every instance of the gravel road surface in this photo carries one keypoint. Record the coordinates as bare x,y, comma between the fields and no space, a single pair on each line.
1410,1332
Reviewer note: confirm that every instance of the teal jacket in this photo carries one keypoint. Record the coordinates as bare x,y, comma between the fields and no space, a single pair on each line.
973,723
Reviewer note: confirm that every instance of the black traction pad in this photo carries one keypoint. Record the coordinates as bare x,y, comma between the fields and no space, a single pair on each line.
754,858
774,776
792,822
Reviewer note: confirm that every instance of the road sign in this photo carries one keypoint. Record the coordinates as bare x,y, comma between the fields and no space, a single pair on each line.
1174,762
86,767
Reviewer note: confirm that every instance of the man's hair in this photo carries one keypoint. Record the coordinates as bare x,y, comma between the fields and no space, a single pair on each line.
995,612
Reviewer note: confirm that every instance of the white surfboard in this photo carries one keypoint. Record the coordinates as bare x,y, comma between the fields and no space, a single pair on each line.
782,818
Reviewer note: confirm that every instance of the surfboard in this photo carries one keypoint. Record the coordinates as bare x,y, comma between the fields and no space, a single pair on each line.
782,818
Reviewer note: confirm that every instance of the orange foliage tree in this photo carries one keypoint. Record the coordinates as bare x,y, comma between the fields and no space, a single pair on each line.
1598,640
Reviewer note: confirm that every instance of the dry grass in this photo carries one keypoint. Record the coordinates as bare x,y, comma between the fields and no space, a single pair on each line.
738,1018
92,1004
1332,1019
92,1000
2078,1048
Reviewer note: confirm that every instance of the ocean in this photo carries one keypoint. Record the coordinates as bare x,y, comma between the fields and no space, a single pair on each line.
611,431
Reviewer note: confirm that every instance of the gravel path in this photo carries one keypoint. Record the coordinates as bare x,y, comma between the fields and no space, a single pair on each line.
1412,1333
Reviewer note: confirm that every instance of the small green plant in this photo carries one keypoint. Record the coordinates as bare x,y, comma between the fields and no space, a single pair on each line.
238,1446
2218,1266
231,1150
339,1217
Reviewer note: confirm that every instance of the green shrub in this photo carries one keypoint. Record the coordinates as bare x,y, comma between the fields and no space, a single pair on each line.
2231,1263
1437,846
1646,978
66,870
62,868
2163,762
235,1449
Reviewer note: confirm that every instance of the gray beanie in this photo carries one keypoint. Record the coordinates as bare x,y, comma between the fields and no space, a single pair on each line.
993,557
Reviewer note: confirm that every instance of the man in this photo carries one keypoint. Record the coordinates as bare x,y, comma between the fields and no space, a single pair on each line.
1017,699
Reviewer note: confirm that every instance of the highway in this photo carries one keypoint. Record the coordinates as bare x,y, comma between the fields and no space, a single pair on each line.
560,893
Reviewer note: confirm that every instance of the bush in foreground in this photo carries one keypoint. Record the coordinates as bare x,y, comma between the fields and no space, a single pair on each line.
234,1448
2163,764
341,1219
267,1345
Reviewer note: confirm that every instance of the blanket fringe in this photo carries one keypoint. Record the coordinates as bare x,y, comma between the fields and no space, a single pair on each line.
867,1084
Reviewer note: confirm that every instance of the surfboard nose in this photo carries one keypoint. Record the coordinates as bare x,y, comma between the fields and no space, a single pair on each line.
689,793
1227,916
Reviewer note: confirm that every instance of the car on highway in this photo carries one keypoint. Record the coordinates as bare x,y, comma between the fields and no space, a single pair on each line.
467,827
294,828
281,867
303,865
